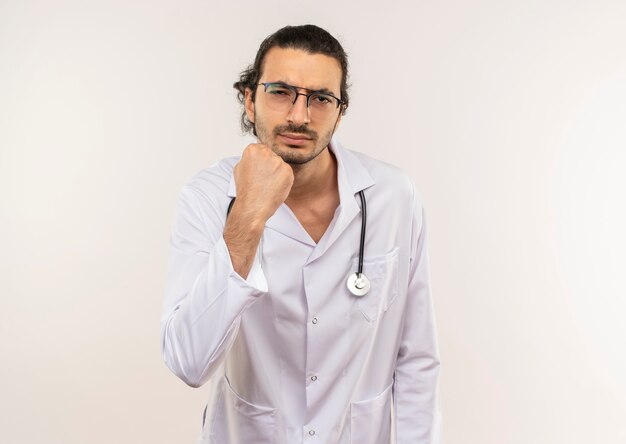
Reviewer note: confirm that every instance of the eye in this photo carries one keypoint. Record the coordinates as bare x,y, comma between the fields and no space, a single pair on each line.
321,99
278,90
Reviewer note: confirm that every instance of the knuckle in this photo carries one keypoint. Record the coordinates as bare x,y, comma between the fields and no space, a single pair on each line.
251,148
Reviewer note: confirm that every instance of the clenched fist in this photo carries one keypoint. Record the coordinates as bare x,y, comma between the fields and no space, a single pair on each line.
263,181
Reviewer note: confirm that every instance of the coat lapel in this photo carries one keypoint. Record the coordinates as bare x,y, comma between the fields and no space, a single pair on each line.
352,177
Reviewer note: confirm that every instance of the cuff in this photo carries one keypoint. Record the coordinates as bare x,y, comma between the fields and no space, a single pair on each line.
256,281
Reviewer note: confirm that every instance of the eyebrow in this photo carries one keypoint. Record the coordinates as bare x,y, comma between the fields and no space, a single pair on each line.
320,90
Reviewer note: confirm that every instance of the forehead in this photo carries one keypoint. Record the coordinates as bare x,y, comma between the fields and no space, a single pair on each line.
300,68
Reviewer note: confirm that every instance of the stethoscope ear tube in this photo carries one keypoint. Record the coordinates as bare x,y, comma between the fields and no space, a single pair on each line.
230,206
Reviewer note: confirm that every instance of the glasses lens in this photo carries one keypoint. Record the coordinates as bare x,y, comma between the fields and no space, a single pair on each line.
322,105
279,97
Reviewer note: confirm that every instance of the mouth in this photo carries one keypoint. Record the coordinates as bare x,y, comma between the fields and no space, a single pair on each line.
294,139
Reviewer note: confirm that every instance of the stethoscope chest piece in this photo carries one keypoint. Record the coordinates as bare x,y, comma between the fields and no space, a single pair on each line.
358,285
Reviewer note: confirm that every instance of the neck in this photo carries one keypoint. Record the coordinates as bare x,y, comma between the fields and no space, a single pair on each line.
314,179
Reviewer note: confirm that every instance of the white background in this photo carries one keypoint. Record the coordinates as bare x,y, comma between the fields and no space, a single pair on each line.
509,115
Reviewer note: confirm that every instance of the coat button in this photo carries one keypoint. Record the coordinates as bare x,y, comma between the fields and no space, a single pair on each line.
313,378
311,432
314,320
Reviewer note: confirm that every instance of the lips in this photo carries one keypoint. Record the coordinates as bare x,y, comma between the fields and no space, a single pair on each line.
295,136
294,139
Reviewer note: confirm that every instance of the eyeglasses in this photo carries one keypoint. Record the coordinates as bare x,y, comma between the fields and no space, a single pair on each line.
281,97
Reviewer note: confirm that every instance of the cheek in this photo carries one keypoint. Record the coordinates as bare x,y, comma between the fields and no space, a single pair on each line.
268,121
263,128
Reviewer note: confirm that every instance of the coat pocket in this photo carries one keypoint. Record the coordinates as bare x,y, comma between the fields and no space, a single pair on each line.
370,420
382,272
240,421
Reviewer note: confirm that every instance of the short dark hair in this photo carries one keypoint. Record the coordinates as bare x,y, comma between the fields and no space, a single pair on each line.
309,38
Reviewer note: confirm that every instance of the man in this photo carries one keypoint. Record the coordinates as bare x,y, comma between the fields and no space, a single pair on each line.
257,302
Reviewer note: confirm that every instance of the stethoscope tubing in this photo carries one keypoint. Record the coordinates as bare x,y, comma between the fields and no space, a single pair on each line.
363,222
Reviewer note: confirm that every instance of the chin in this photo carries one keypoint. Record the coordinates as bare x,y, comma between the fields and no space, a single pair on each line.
294,160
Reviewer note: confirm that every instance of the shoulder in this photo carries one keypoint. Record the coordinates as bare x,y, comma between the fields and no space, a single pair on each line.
383,171
207,193
389,180
213,181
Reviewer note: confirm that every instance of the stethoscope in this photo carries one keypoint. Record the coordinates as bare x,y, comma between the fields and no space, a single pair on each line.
358,284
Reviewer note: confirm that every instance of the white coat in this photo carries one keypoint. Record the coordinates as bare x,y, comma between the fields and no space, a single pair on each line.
290,354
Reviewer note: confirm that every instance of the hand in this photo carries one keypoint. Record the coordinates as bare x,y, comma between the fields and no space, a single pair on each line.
263,181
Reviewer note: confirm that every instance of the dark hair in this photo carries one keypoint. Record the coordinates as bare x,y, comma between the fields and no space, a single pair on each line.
309,38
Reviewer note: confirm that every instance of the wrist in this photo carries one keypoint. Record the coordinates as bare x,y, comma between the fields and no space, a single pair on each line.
249,214
245,217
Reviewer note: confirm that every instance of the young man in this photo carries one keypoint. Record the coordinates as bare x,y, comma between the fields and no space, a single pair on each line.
307,309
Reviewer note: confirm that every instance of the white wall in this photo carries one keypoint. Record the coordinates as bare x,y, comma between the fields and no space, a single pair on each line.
509,115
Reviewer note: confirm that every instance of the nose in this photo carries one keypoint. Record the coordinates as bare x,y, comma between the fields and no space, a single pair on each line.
299,112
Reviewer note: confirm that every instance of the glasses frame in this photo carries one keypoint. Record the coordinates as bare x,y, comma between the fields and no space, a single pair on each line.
311,92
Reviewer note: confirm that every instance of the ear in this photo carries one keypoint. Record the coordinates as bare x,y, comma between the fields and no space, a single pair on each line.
249,105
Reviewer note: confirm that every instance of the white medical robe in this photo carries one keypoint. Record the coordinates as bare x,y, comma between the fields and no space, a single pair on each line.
290,354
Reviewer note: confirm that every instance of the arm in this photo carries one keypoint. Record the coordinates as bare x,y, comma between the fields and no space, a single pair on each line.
205,292
418,418
204,296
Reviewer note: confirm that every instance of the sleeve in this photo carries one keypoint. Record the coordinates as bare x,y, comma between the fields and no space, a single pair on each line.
416,392
204,296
